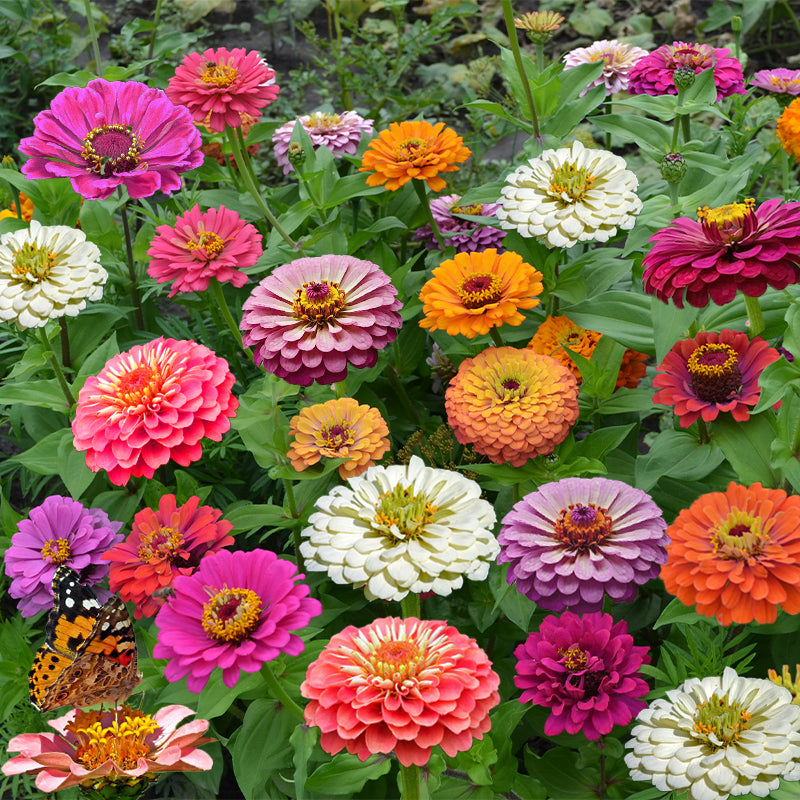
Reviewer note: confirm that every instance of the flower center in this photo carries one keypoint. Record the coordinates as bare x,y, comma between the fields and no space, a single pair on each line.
718,723
323,122
700,55
139,387
479,289
475,209
57,550
401,515
569,183
32,264
163,543
573,659
715,373
208,242
109,149
335,436
232,614
318,302
411,150
219,75
784,84
583,527
728,219
739,537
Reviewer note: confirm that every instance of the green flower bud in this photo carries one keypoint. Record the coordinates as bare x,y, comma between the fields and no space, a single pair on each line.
683,78
673,167
296,155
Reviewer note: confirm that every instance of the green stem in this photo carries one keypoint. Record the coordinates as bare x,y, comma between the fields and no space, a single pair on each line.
673,194
539,56
686,124
410,606
51,357
425,202
296,538
603,783
496,338
508,16
410,779
754,315
66,356
136,298
785,165
608,108
279,693
222,305
705,436
151,46
796,440
87,5
397,385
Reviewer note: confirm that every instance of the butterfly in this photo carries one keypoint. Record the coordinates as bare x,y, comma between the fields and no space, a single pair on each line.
89,655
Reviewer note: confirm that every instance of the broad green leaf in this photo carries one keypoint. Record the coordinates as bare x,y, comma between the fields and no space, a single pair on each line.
677,454
253,516
43,394
746,446
626,317
346,774
678,612
72,467
302,740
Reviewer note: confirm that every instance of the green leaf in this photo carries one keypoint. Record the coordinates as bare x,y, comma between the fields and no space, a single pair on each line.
746,446
556,770
601,442
254,516
630,128
79,78
677,454
590,20
775,380
624,316
302,740
678,612
42,394
347,774
72,466
42,458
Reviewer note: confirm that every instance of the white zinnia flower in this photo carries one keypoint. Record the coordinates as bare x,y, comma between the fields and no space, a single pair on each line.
570,195
718,737
618,58
400,529
47,272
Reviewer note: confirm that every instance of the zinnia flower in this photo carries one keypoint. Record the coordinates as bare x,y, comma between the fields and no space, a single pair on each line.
59,531
152,404
109,134
340,133
338,428
121,747
779,81
618,60
401,685
477,291
236,611
200,246
573,541
570,195
163,544
653,74
586,669
735,555
46,273
400,529
785,679
540,25
789,129
463,234
27,209
713,738
732,248
309,319
512,405
713,373
221,87
409,150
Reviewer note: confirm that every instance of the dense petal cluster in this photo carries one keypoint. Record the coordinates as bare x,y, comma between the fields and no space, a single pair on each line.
618,59
789,129
465,235
779,81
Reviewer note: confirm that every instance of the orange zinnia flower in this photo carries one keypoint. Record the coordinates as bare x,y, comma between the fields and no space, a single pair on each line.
789,129
735,555
408,150
474,292
27,208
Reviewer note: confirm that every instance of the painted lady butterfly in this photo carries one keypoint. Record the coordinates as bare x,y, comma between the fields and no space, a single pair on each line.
89,655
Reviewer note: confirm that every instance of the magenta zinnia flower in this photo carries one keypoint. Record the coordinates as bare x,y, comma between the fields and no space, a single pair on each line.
778,81
732,248
465,235
575,540
152,404
201,246
220,86
59,531
653,74
113,134
235,612
309,319
619,59
586,669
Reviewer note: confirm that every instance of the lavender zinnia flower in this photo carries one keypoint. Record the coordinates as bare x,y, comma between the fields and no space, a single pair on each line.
779,81
619,58
465,235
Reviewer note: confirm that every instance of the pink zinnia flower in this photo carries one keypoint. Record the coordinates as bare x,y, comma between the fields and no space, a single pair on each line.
309,319
220,86
653,74
152,404
732,248
586,669
201,246
236,611
778,81
619,58
340,133
465,235
113,134
401,685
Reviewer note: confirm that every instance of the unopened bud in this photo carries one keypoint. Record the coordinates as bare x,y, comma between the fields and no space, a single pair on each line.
8,163
683,78
736,23
673,167
296,155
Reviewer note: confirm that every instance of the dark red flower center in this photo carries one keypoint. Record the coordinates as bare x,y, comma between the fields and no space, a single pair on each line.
583,527
318,302
479,289
231,615
160,544
411,150
729,220
739,537
111,149
336,436
584,672
714,372
698,55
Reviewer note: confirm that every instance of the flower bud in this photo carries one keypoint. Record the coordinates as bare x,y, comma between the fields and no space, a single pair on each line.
673,167
296,155
8,163
683,78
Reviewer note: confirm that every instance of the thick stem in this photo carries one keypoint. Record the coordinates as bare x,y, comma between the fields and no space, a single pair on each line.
410,780
754,315
66,356
673,194
508,16
410,606
496,338
702,429
51,357
279,693
296,538
136,298
222,305
87,5
425,202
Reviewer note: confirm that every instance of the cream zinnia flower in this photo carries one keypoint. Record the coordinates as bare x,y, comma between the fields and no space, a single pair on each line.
47,272
718,737
400,529
570,195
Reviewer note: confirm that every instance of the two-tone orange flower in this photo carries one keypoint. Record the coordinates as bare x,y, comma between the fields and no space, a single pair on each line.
789,129
27,209
413,150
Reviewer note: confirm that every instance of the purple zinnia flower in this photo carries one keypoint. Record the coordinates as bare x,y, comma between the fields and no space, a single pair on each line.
779,81
619,59
110,134
236,611
572,541
59,531
340,133
309,319
586,669
465,235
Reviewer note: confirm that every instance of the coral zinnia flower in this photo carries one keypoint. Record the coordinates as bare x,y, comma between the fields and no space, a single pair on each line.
732,248
163,544
575,540
59,531
409,150
463,234
586,669
789,129
122,748
512,405
713,373
221,87
110,134
736,554
27,209
474,292
654,73
339,428
151,404
236,611
401,685
778,81
618,58
309,319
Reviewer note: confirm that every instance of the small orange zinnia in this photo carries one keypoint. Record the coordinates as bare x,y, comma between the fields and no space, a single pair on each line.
339,428
789,129
27,208
416,149
735,555
474,292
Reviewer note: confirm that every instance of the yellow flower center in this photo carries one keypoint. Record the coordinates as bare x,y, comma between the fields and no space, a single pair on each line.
335,435
208,242
475,209
739,537
318,302
718,723
57,550
323,122
411,149
784,84
479,289
219,75
401,515
728,219
714,371
232,614
110,149
583,527
139,387
574,659
160,544
32,263
570,183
